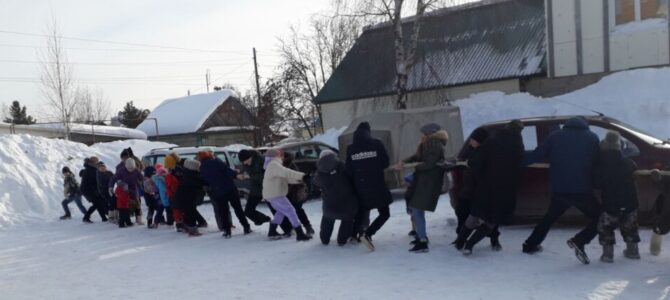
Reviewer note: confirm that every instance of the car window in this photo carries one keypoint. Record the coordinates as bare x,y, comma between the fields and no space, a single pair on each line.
222,156
529,135
234,160
308,152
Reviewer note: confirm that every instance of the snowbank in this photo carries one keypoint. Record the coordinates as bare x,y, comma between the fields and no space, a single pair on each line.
31,186
330,137
98,129
637,97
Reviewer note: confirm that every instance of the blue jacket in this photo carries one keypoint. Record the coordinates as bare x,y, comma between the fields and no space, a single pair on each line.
162,190
572,153
218,176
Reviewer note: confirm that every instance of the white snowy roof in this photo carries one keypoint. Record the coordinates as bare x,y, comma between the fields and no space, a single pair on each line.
229,128
185,114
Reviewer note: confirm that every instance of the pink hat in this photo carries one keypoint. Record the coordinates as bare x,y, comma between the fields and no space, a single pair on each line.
160,170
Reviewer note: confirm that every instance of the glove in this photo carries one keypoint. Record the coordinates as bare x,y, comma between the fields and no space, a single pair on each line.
111,192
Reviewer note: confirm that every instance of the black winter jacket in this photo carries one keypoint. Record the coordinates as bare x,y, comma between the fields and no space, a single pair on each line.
256,173
339,197
189,191
89,180
102,179
366,161
614,178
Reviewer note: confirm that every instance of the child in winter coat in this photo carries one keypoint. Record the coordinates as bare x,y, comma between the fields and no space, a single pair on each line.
339,198
151,197
275,188
123,203
159,181
190,184
71,193
614,178
103,177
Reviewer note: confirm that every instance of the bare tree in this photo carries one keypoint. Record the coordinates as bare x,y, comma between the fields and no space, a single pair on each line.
92,107
309,58
4,111
56,78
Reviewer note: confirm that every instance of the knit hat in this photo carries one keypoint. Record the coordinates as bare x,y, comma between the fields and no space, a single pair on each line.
192,164
66,170
160,170
430,128
149,171
480,135
204,154
515,125
244,155
364,126
325,153
130,164
612,141
171,160
273,153
124,153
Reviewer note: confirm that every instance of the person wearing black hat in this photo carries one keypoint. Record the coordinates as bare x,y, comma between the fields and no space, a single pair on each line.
496,169
103,176
89,188
366,161
71,193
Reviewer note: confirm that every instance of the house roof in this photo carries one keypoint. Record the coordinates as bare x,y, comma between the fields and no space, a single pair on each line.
185,114
455,47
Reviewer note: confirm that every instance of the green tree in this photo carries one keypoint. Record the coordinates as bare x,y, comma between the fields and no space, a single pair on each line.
18,115
131,116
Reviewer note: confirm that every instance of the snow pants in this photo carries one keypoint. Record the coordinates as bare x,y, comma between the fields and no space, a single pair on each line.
97,203
586,203
77,199
344,232
154,209
124,218
627,224
284,209
221,204
380,220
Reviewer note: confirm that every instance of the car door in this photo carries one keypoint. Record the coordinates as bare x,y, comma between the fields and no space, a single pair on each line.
533,192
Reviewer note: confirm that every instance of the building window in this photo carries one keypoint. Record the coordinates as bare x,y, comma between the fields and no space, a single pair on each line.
636,10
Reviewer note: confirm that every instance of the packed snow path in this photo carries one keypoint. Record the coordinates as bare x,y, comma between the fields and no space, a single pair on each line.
72,260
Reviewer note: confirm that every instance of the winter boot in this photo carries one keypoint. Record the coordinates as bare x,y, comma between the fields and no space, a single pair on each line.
366,240
421,246
631,251
309,230
227,235
193,231
608,254
531,249
481,232
87,220
273,234
412,233
300,235
418,240
247,230
463,236
65,217
495,243
138,220
180,227
579,251
655,244
150,223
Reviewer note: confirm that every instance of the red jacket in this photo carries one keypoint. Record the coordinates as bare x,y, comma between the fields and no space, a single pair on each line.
171,185
122,198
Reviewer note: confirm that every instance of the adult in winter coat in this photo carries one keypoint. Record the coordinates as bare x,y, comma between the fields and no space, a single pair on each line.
339,198
572,153
614,178
103,176
496,168
135,205
190,185
427,181
71,193
253,166
275,188
132,178
220,181
152,198
464,196
297,194
159,181
89,188
366,161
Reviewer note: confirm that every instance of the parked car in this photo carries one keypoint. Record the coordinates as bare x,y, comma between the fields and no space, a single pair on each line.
306,153
533,196
227,155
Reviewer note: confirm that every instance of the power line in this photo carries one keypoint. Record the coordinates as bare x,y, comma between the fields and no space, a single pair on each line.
121,43
169,63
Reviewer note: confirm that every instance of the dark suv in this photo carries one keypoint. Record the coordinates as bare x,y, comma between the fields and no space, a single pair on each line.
533,196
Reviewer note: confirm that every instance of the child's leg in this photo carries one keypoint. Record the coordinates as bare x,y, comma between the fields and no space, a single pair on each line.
159,214
284,208
629,228
169,216
65,202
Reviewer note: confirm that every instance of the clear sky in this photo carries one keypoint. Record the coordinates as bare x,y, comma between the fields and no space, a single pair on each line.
142,74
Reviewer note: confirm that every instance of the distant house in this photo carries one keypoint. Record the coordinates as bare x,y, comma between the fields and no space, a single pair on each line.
543,47
215,119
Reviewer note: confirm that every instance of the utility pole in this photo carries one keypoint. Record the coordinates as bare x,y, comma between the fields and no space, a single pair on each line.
207,80
258,99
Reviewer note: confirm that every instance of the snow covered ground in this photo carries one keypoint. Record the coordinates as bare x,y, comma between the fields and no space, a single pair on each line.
72,260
